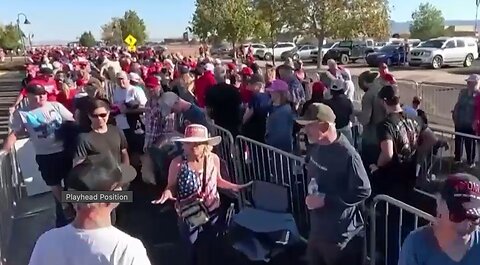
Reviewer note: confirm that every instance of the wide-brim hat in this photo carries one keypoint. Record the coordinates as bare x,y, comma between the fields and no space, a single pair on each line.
196,133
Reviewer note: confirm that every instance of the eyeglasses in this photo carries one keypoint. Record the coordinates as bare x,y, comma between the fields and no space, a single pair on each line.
100,115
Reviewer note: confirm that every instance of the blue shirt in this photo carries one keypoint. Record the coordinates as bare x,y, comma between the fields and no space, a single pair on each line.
279,133
194,115
421,248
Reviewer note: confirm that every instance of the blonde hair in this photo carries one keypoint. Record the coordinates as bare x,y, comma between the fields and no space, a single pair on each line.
270,74
188,80
66,90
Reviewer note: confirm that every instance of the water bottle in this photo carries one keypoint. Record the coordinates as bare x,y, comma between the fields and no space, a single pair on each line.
313,187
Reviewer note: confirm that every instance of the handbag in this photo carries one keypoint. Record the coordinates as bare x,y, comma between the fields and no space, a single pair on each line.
192,210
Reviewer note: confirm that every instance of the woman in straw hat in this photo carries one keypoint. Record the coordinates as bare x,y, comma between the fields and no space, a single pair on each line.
197,198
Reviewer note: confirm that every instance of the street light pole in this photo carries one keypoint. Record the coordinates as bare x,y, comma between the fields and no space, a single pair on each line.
477,2
26,22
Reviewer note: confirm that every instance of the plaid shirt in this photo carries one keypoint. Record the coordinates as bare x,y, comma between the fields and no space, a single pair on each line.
153,122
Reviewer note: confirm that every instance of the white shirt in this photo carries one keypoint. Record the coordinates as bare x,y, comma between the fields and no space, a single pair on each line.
121,96
103,246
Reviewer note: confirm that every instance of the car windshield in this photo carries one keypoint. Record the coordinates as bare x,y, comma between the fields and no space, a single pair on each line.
433,44
389,48
329,45
345,44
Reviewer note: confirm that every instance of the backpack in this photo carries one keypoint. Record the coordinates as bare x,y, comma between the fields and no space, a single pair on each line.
406,147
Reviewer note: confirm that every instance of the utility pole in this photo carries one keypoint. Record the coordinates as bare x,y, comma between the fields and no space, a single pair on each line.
477,2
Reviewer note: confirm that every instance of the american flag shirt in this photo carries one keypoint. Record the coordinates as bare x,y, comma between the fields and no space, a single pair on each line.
190,183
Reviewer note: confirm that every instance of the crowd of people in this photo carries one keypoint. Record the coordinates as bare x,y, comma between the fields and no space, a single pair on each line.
96,116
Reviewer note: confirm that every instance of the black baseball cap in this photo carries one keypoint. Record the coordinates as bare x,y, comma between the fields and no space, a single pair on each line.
36,89
461,192
100,172
255,79
388,93
46,71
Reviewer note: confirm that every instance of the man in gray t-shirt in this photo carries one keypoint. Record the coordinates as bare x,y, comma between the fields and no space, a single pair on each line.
336,222
454,239
41,119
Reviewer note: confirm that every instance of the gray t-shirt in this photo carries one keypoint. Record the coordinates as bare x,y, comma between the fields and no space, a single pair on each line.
41,124
341,176
421,248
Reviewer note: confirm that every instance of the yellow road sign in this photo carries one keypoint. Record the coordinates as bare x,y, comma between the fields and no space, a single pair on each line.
132,48
130,40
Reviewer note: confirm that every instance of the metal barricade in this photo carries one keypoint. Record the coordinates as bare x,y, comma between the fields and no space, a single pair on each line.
260,162
408,89
445,160
10,193
438,101
389,231
226,150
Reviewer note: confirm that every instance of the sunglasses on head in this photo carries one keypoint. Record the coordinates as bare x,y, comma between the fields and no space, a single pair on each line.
100,115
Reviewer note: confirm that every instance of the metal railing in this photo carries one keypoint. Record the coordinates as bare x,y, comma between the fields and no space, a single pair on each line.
398,219
226,150
439,101
10,194
261,162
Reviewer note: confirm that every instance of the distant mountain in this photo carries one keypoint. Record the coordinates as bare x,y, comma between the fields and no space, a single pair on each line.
403,27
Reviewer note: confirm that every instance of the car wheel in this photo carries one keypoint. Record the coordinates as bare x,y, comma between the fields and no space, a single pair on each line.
437,62
296,57
468,60
344,59
267,57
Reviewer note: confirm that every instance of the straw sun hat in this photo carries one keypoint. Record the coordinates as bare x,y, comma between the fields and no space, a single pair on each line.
196,133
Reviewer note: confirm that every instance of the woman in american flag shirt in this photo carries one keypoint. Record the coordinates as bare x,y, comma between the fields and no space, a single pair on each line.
185,179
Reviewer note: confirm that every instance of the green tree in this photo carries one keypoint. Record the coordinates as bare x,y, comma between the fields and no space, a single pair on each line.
427,22
340,19
87,39
231,20
132,24
112,33
10,37
271,19
203,23
236,20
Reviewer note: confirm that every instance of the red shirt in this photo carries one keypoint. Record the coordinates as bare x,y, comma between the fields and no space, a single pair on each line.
388,77
50,87
245,94
202,84
67,100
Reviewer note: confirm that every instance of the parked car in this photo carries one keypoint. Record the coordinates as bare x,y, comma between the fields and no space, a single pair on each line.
390,54
302,53
325,49
220,50
277,50
349,51
438,52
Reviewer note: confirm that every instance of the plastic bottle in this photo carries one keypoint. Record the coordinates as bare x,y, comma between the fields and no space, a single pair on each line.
313,187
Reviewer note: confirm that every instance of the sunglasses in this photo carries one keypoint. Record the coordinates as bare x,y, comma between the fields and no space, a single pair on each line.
101,115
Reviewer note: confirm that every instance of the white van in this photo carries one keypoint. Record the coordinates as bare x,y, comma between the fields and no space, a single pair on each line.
438,52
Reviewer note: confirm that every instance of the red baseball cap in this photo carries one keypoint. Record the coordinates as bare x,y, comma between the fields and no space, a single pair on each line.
152,82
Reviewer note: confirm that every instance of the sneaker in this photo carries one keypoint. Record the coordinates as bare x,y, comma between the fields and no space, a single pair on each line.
472,165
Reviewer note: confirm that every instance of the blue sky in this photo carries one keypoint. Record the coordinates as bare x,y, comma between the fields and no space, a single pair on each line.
67,19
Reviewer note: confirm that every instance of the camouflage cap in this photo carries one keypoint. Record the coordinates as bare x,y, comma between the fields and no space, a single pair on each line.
317,112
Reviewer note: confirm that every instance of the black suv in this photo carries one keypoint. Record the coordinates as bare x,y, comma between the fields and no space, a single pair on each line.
349,51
